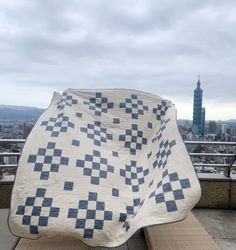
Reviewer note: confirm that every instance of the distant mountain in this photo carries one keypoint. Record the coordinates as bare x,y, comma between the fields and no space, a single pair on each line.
231,121
19,113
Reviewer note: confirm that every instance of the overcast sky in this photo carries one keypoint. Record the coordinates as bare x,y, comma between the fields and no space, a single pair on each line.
158,46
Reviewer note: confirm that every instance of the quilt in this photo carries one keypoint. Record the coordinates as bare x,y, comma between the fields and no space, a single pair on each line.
101,164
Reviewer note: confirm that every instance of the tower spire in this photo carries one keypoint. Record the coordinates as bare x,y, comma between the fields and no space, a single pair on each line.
198,82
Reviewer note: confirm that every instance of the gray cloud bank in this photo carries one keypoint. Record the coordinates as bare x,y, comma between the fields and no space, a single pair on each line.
155,46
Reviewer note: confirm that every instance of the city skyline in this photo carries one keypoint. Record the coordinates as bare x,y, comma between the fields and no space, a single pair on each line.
154,46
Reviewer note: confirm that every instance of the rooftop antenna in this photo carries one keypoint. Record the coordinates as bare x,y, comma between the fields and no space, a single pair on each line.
198,82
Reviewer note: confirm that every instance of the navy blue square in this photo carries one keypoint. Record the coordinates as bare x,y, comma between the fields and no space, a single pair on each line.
30,201
47,202
100,205
68,185
57,152
178,194
107,215
54,167
91,214
51,145
41,151
79,163
36,211
116,120
72,213
128,181
48,159
88,233
34,229
110,169
20,210
54,212
75,142
149,125
98,224
64,160
90,157
92,196
44,175
171,206
114,153
167,187
32,158
38,167
103,174
80,223
123,217
96,165
136,202
185,183
43,221
130,210
78,114
40,192
115,192
83,204
26,220
135,188
87,171
160,198
95,180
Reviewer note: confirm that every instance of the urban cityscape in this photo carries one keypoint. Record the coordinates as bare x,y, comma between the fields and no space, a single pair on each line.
16,123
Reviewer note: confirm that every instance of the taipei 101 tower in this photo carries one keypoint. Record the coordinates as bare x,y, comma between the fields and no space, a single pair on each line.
198,112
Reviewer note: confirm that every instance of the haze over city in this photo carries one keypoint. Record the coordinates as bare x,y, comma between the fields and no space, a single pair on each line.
155,46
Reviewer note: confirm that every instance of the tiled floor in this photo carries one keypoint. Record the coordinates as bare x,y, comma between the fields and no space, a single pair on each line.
220,224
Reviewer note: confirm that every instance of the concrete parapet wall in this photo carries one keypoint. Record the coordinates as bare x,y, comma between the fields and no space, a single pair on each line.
233,195
5,194
215,194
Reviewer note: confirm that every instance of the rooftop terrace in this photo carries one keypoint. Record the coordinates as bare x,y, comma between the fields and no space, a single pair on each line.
215,210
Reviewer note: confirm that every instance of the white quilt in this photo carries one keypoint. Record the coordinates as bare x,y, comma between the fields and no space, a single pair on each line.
101,164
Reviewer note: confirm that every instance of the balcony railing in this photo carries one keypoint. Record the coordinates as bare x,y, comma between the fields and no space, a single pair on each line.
229,158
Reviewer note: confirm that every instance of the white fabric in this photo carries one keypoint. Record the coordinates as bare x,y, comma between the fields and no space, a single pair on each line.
100,164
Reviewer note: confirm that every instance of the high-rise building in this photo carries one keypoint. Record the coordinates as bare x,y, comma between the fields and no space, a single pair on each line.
203,122
197,110
212,127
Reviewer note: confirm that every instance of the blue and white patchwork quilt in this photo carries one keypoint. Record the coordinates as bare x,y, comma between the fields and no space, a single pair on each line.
101,164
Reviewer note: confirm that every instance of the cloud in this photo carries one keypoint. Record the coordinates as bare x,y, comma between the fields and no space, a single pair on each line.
155,46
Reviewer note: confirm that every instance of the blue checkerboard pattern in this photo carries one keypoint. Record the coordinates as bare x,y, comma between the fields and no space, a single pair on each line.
131,212
134,106
38,211
48,160
99,104
159,132
134,175
95,166
66,100
170,190
163,153
160,110
58,125
96,133
133,139
90,215
97,163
